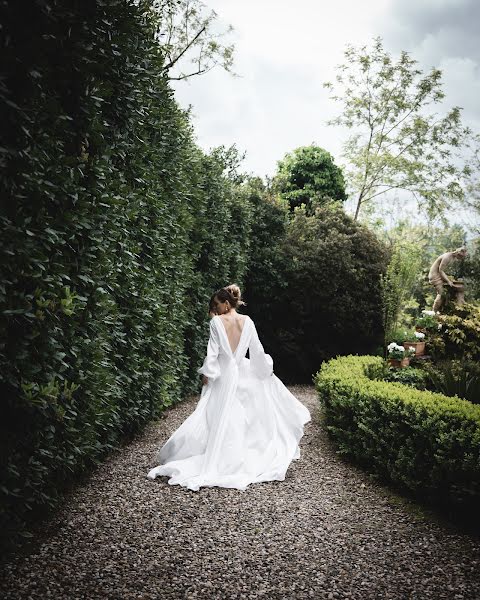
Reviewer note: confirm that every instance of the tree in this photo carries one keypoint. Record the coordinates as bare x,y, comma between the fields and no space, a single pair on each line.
397,284
397,141
313,286
472,178
186,29
309,173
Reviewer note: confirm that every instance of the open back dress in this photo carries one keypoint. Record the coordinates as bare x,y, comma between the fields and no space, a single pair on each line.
246,426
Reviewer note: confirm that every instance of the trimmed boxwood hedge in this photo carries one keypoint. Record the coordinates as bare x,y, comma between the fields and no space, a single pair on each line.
423,441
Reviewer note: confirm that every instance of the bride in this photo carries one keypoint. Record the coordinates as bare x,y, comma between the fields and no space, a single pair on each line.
247,425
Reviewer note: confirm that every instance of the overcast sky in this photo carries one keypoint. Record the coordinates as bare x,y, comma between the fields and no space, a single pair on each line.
286,50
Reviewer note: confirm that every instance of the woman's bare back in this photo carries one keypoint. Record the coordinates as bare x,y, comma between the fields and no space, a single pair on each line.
234,325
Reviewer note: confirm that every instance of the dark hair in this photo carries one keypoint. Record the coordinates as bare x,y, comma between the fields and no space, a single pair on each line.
231,293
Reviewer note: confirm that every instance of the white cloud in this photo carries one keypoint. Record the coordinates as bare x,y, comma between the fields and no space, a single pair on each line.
286,50
444,34
284,53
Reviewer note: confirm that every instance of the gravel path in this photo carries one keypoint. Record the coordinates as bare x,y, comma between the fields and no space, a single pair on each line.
327,531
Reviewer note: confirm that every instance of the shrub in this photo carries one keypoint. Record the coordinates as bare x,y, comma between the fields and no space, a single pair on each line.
456,378
411,376
313,285
115,230
458,334
423,441
330,303
265,282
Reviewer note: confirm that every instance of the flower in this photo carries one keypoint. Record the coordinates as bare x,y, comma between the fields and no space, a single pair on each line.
397,351
419,335
427,320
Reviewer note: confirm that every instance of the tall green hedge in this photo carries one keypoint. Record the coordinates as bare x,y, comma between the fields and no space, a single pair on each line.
115,230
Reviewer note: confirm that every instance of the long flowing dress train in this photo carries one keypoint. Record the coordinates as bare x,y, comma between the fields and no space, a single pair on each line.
246,426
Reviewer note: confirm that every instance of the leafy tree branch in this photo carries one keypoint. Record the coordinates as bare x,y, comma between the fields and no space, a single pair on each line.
190,36
397,141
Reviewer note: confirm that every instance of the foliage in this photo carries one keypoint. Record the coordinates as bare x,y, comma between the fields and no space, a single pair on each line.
328,302
410,376
265,281
397,140
401,335
472,179
309,174
397,284
427,321
470,271
423,441
115,230
458,335
456,378
429,241
186,29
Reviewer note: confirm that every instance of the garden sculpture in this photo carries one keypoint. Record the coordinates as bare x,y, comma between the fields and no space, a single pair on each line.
438,278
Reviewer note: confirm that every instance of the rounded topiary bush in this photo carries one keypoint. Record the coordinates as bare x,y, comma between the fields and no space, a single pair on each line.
328,300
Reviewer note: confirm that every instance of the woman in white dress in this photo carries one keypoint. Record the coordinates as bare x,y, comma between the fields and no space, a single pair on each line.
247,425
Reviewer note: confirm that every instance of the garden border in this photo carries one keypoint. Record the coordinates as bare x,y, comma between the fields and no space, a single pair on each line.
424,441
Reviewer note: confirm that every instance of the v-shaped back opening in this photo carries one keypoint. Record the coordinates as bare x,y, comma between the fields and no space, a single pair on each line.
226,333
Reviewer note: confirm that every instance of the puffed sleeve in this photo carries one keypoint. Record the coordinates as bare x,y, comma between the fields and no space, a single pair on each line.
211,367
261,363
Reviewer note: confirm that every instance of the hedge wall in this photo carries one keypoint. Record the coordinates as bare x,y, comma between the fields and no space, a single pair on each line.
115,230
425,442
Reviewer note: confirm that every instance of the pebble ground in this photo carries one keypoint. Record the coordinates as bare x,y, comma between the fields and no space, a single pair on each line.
327,532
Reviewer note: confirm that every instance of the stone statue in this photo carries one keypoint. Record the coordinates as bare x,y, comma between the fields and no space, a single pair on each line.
438,278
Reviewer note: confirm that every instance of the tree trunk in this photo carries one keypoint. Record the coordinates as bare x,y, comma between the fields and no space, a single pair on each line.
357,210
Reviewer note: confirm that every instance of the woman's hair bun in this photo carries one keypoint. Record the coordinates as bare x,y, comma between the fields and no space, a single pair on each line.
233,295
234,290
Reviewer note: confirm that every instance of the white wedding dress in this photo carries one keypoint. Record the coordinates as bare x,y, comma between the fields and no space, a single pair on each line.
246,426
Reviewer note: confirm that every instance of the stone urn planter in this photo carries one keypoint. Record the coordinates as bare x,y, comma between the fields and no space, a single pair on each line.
399,363
458,291
419,347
